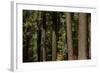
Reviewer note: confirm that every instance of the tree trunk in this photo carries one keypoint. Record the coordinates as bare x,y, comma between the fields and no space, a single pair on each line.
89,28
89,36
39,37
74,27
69,36
54,36
82,36
44,36
39,44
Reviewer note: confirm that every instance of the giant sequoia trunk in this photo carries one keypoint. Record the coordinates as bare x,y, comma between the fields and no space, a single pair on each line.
54,45
89,28
39,37
44,36
39,44
75,34
69,36
82,36
89,36
26,50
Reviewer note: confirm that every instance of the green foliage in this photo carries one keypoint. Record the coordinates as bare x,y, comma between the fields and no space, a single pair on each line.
33,22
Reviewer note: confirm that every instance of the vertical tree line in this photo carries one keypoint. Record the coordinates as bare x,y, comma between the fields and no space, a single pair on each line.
82,36
52,36
44,36
39,23
69,36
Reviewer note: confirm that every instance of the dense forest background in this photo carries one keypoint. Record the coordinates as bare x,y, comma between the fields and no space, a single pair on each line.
56,36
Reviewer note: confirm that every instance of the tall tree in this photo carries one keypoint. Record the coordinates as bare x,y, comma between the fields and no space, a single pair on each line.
69,36
82,36
27,36
54,46
44,35
39,36
89,36
74,18
89,28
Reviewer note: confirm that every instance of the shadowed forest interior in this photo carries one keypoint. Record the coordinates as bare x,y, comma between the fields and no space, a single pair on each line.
56,36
